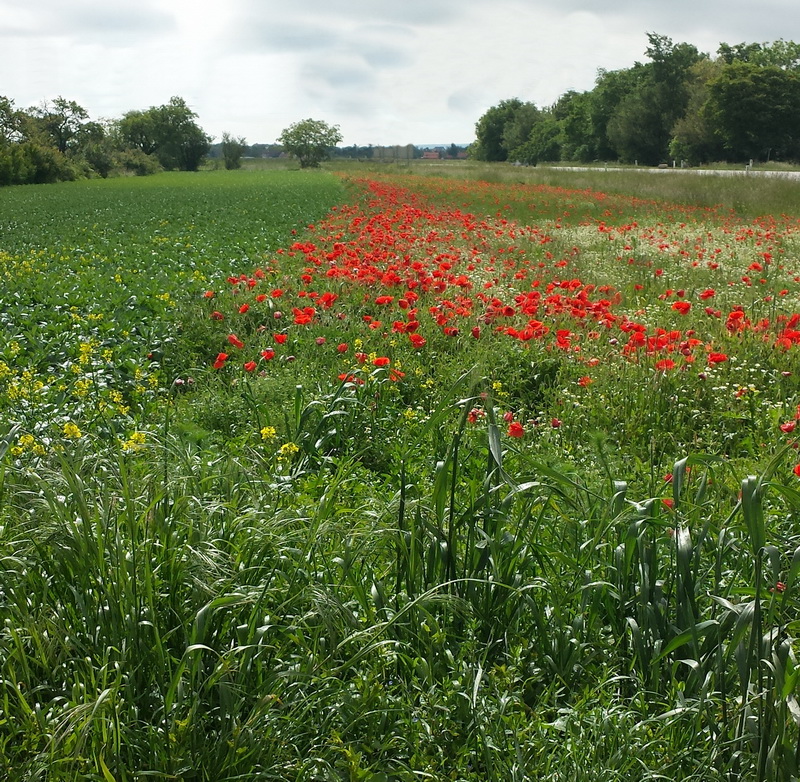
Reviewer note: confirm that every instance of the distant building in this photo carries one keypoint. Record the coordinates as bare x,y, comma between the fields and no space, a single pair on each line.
391,154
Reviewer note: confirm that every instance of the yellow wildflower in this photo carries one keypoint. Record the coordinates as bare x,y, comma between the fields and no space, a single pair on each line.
287,450
71,431
135,442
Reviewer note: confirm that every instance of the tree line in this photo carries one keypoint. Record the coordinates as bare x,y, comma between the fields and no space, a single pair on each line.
742,104
57,141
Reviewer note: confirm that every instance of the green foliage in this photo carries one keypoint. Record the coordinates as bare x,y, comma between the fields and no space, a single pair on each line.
30,162
61,121
276,574
572,112
755,110
517,130
642,124
310,141
135,161
168,132
512,117
10,121
56,141
232,150
781,54
693,135
543,144
680,104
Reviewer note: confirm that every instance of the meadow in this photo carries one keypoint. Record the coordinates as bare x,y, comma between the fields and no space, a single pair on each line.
391,475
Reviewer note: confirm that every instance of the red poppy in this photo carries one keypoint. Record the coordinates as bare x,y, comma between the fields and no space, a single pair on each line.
235,341
796,470
221,359
249,366
682,306
585,381
216,315
381,361
515,429
268,354
417,340
717,358
665,365
788,427
208,295
244,309
555,423
342,347
472,415
280,338
345,378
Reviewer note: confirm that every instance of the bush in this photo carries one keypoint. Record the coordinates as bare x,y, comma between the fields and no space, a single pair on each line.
32,163
134,161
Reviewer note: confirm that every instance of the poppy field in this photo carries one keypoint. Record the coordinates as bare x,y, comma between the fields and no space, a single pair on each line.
380,476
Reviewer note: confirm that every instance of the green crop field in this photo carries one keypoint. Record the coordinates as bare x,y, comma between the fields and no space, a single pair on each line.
391,475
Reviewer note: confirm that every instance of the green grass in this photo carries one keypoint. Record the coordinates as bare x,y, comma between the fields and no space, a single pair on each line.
344,563
749,196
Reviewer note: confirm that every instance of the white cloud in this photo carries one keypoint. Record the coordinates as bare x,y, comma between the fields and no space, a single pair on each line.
122,22
418,71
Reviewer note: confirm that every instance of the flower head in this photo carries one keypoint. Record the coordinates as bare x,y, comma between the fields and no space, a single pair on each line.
516,429
71,431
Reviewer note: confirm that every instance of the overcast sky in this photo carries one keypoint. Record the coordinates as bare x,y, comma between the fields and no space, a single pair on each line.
408,71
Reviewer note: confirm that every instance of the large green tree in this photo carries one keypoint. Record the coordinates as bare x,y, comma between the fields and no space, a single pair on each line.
310,141
232,150
642,124
11,120
572,113
755,110
543,144
60,120
491,129
694,138
28,152
611,89
168,132
517,131
782,54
